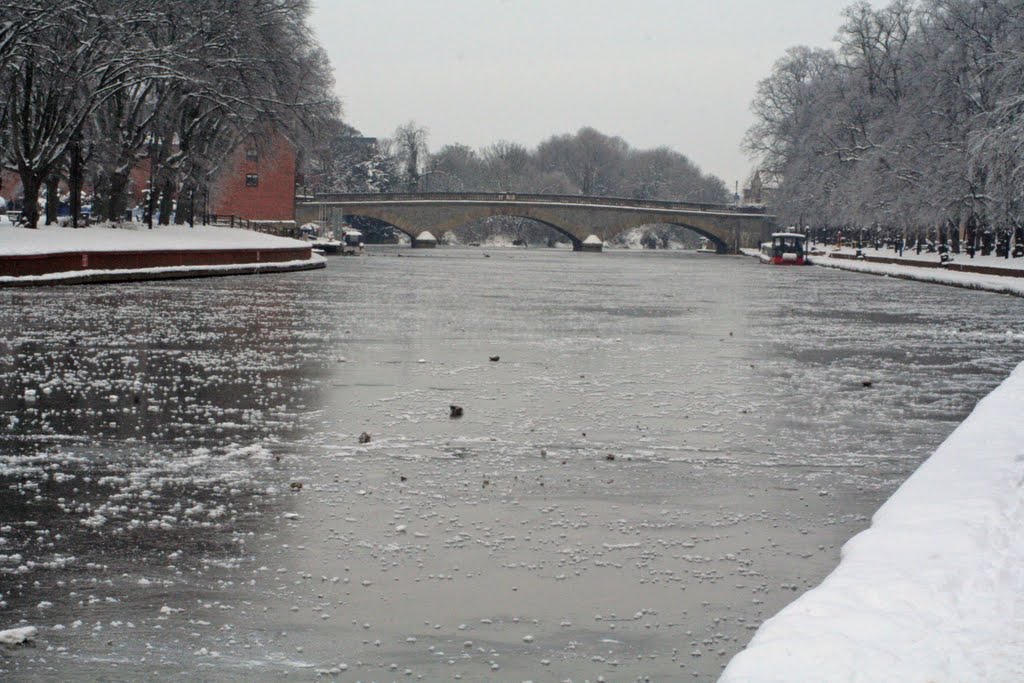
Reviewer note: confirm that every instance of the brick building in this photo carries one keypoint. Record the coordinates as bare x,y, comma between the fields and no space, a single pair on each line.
257,182
10,184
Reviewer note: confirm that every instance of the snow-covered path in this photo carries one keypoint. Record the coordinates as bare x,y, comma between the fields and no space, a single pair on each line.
934,590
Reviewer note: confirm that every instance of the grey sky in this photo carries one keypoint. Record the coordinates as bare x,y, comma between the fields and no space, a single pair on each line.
655,72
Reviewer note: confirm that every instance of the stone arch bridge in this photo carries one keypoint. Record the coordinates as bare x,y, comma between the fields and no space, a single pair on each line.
729,227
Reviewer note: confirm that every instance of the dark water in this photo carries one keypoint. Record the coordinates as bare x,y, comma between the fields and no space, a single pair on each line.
671,448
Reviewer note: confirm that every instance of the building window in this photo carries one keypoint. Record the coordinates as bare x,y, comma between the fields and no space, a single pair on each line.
252,154
252,179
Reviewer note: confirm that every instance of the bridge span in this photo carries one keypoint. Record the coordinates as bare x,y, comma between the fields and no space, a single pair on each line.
729,227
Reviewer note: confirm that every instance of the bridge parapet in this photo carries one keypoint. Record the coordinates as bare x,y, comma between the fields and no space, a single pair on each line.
521,197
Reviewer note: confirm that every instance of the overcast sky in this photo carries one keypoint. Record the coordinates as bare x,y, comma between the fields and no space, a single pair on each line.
679,73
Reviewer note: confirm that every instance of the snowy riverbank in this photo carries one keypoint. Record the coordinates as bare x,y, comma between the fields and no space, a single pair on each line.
934,590
54,255
990,283
133,237
927,272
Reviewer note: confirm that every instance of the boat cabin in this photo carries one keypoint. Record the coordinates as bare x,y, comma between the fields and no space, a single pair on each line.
785,249
352,242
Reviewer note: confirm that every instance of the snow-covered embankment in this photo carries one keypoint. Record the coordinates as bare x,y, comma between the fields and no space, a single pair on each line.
934,590
990,283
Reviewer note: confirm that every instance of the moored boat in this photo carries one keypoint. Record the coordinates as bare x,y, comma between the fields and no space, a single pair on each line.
320,239
785,249
351,242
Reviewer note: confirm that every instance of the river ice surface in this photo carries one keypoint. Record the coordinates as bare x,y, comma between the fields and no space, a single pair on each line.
671,448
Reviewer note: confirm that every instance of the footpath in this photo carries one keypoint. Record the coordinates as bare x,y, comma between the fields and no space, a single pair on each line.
55,255
934,589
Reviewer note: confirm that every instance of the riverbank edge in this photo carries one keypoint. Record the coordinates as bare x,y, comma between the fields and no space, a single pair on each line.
77,277
931,589
1000,284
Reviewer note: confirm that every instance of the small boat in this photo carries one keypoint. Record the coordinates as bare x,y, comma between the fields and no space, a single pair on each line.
327,245
351,242
785,249
322,241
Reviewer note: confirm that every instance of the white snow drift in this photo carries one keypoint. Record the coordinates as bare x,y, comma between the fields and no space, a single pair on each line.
934,590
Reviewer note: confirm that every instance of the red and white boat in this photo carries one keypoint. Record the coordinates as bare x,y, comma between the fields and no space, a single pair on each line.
785,249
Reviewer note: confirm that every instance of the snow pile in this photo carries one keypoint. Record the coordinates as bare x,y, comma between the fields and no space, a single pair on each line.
17,636
593,239
55,240
426,236
934,590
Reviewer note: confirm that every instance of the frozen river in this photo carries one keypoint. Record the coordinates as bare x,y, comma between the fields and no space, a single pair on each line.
670,449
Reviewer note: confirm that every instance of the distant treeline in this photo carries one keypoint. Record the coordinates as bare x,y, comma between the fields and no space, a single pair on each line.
915,122
587,162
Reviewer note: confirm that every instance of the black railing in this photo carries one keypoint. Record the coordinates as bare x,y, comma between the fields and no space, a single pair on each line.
279,228
341,198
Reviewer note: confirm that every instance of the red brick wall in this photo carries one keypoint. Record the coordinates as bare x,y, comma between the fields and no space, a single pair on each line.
138,182
273,198
10,184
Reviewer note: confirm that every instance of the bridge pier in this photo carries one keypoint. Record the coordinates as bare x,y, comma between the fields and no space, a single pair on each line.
593,243
425,240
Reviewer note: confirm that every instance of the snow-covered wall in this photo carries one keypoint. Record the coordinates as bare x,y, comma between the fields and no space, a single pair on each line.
934,589
135,237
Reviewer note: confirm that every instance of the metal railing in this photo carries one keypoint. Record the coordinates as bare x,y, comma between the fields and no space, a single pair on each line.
266,227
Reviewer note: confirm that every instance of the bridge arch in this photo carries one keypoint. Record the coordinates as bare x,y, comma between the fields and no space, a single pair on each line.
561,230
333,216
721,246
452,219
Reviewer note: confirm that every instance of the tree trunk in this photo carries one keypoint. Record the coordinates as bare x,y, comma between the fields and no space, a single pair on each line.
117,197
30,208
166,203
75,182
52,199
184,213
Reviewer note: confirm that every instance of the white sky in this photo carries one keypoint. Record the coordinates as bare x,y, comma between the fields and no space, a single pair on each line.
679,73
